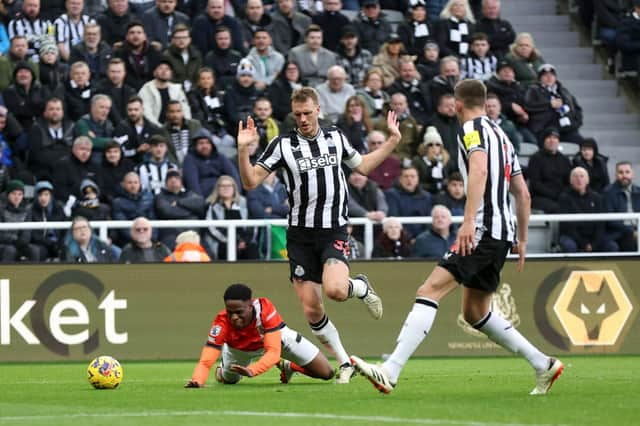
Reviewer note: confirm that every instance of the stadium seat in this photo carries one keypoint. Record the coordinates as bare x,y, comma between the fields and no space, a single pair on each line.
569,149
351,14
394,17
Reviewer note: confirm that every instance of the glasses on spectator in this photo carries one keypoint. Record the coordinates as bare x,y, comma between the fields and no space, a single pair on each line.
226,185
79,228
433,144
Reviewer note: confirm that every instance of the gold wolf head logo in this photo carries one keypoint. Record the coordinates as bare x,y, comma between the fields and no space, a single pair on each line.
593,307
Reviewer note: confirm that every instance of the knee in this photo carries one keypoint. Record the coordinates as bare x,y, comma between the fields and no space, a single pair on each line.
336,292
327,373
313,313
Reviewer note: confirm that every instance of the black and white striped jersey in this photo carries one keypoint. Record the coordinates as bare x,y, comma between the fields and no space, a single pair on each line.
68,32
315,182
495,215
36,32
480,69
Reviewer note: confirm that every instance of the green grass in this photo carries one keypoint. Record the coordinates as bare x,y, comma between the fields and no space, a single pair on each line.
478,392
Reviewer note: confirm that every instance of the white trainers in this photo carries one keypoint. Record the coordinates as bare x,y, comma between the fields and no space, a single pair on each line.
345,373
285,371
371,300
545,380
375,373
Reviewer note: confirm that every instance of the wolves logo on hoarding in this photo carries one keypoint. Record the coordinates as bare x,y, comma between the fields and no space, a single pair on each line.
593,308
503,303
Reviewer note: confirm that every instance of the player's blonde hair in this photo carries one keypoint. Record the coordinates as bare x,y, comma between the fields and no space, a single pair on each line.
305,93
472,93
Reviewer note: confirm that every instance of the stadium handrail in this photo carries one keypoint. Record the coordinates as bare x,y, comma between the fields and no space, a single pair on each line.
103,226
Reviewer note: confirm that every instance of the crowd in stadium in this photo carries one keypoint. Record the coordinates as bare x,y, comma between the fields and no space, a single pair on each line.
129,110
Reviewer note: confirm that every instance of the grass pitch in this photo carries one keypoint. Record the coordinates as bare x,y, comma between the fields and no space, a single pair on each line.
469,391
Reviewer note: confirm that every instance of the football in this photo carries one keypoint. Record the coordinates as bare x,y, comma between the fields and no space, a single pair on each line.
104,372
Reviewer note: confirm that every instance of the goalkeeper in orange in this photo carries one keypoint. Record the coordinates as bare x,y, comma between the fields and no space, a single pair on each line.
252,338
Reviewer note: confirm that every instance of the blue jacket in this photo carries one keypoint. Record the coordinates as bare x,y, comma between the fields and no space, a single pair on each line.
128,207
201,174
261,198
404,204
431,244
615,201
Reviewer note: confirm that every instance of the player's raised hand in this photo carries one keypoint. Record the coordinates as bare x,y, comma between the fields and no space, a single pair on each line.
192,384
247,135
394,127
244,371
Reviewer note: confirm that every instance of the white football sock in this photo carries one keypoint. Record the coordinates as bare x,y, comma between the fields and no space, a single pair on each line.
357,288
504,333
415,329
327,334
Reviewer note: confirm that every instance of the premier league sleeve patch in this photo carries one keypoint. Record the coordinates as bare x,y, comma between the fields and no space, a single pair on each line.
215,331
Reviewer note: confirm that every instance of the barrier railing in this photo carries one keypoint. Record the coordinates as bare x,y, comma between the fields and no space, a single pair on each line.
104,226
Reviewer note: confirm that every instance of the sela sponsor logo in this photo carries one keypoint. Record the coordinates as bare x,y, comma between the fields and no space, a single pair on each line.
306,164
54,330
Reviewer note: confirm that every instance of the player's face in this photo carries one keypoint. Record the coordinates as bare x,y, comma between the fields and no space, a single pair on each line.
239,312
306,115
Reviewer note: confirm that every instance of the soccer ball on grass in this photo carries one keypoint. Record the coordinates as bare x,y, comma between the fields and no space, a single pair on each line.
104,372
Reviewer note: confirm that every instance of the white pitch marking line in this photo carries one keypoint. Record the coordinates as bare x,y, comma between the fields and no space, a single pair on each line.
379,419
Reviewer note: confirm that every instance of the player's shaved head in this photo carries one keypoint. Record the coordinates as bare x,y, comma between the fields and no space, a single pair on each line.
237,292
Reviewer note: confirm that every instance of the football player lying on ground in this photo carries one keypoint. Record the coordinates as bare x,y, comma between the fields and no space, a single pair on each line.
251,329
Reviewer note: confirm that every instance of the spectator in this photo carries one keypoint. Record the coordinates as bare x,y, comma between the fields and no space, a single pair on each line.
154,169
203,165
387,60
206,103
416,30
386,173
366,199
69,27
289,25
156,93
5,172
30,24
78,91
140,56
355,60
494,112
499,31
185,59
623,197
268,128
409,129
52,72
14,244
372,26
142,249
443,83
188,249
93,51
4,39
225,202
46,242
255,19
446,123
96,125
548,173
89,204
161,20
50,140
453,197
279,92
82,246
313,60
428,63
409,84
393,242
267,62
332,23
174,202
454,29
334,93
26,97
372,94
628,39
594,163
432,162
223,59
117,89
240,96
480,63
132,202
525,59
114,21
582,236
17,54
206,26
437,240
179,132
112,170
355,123
610,14
269,200
356,248
407,199
68,174
550,104
133,133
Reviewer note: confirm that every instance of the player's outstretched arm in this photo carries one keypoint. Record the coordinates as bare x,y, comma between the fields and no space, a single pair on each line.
251,175
518,187
208,357
373,159
271,356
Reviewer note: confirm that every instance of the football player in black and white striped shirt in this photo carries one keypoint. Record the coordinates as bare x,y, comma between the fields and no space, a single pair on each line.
490,169
317,240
